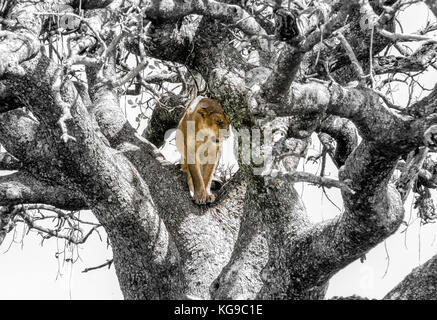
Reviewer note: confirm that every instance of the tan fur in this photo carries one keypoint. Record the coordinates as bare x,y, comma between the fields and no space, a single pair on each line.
209,117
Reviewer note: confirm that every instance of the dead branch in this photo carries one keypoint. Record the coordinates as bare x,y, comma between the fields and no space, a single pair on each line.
107,263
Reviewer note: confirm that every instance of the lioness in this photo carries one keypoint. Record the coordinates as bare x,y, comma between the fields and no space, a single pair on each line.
200,131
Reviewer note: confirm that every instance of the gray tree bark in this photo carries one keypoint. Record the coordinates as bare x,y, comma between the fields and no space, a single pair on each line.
256,240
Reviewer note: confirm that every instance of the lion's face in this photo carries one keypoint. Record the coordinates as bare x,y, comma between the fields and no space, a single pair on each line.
220,125
217,124
212,119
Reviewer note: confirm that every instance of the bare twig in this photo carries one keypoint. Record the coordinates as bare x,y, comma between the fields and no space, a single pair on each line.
59,212
53,233
107,263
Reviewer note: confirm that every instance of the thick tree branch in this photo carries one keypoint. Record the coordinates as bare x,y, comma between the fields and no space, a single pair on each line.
19,134
350,53
267,222
6,221
114,190
345,135
91,4
175,9
390,136
191,227
425,107
432,4
420,284
164,245
376,22
161,121
21,187
297,176
23,43
9,162
290,58
7,101
417,61
410,172
396,132
371,214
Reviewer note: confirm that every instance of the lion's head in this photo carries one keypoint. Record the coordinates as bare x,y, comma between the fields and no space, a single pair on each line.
213,119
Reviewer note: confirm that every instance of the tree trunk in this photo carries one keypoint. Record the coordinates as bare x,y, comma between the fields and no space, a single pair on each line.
307,70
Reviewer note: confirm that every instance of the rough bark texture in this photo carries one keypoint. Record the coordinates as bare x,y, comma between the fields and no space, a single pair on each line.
72,147
420,284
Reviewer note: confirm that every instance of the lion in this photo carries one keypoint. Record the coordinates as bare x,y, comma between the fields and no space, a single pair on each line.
199,134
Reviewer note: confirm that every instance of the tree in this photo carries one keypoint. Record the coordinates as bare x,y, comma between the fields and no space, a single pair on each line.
293,67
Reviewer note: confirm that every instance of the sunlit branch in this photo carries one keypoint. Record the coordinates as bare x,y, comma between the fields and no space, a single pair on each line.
310,178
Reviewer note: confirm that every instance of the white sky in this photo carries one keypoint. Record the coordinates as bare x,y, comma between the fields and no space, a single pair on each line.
30,271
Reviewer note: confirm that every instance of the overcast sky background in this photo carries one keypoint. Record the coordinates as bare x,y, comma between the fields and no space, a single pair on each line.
29,270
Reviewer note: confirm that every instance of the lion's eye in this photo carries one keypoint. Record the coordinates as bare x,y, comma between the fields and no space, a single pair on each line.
220,123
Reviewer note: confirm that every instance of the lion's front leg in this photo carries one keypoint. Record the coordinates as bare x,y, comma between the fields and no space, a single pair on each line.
190,183
199,186
208,170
